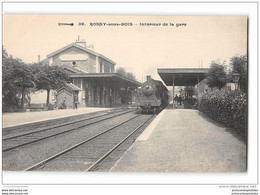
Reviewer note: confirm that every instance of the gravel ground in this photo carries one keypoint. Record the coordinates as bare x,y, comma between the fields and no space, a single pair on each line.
26,156
42,134
185,141
84,156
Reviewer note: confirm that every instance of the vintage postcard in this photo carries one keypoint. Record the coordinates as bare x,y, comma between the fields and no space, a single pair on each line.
125,94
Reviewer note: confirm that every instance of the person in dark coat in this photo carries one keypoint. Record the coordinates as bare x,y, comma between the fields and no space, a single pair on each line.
75,102
176,99
180,99
63,105
175,102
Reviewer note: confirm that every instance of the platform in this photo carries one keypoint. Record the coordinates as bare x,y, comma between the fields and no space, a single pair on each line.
184,140
20,118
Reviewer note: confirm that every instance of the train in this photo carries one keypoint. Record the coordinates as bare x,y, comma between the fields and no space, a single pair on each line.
152,96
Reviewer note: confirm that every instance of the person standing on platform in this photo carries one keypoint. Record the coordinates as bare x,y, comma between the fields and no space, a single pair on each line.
75,102
63,105
175,101
110,101
180,99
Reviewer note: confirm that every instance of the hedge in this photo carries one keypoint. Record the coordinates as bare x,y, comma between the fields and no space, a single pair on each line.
228,108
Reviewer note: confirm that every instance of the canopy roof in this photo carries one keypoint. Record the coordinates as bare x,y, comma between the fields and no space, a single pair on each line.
182,76
112,78
108,78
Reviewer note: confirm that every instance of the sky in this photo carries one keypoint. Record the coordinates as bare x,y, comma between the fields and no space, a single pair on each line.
137,47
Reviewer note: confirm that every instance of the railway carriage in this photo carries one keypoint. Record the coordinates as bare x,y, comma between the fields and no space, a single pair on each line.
153,96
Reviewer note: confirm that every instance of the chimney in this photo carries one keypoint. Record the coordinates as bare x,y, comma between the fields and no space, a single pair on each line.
148,78
81,43
39,58
91,47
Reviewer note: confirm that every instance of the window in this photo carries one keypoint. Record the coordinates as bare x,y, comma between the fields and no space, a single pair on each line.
106,69
77,82
100,65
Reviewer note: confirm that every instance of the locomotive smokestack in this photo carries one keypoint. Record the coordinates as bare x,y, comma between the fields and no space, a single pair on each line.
148,78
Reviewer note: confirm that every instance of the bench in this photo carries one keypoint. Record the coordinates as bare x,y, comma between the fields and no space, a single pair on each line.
38,107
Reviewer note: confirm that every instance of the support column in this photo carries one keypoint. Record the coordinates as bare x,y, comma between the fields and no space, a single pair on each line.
173,91
97,65
198,86
114,96
80,93
103,95
126,96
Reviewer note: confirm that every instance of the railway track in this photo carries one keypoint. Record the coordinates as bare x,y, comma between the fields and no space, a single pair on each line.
94,150
25,128
20,158
12,142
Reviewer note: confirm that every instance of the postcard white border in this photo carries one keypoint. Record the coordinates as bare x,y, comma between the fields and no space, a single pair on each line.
189,8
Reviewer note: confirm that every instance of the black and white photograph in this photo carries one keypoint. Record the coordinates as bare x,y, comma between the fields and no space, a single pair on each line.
102,94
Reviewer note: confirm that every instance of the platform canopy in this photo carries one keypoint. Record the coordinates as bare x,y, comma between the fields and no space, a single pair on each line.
110,78
182,76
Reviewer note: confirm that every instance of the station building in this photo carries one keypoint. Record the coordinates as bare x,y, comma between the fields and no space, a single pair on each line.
94,74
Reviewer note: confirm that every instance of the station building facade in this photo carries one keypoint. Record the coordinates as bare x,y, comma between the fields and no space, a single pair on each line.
94,74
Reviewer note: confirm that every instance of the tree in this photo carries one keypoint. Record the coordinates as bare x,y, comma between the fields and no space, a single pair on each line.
239,65
17,78
121,71
216,76
189,91
24,79
49,77
4,54
130,75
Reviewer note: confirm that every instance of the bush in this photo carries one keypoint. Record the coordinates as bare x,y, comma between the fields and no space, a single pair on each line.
50,107
228,108
190,103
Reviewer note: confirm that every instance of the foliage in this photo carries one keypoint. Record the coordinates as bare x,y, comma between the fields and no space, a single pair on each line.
189,91
130,75
20,79
239,65
216,76
190,103
49,77
17,79
228,108
123,72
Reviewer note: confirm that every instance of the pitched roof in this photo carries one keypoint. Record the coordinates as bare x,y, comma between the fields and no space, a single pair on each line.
70,86
73,69
82,48
73,87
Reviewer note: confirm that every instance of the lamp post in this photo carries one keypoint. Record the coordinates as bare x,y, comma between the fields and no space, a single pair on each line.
236,77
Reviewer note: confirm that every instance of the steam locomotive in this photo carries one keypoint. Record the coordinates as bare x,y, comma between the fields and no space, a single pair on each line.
152,96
